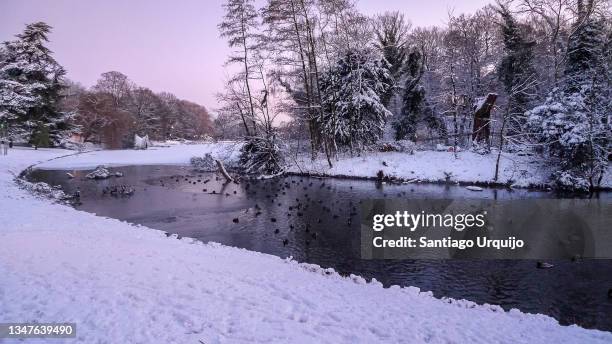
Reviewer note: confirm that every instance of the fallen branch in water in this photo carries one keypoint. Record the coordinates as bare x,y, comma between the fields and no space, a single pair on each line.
224,171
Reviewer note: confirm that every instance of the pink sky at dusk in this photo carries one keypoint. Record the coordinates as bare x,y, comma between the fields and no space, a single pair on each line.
165,45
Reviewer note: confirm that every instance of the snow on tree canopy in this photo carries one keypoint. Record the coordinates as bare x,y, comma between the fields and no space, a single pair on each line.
354,114
572,129
573,124
30,85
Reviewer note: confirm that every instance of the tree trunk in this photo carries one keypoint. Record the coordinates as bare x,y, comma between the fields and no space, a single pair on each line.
224,171
246,73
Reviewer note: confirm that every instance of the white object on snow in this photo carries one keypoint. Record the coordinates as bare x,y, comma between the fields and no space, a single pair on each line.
141,142
70,175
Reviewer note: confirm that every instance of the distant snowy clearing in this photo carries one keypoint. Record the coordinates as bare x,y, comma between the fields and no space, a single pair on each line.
123,283
174,154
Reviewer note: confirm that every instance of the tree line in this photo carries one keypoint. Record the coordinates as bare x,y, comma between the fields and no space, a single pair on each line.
518,75
40,106
115,109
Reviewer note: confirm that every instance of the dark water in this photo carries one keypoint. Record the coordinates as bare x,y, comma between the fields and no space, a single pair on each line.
314,223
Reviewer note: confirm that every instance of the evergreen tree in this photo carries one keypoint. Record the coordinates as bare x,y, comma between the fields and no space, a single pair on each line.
354,115
30,88
412,101
585,50
515,70
574,123
391,31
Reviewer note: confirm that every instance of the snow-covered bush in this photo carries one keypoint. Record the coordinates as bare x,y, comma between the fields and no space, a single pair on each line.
45,190
565,180
572,130
406,146
480,147
261,155
205,138
204,164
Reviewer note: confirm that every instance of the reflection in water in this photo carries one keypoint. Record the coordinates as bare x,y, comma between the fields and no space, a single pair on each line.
317,221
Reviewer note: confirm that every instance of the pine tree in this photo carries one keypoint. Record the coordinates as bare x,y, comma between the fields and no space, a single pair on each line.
573,123
354,115
30,88
413,97
515,70
391,31
585,48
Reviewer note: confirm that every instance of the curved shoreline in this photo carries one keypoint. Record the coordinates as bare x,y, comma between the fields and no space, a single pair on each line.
426,166
125,272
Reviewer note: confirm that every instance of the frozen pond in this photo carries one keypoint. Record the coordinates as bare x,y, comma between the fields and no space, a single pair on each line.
316,221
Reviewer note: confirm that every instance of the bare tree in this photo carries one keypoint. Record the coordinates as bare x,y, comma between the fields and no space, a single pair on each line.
116,84
551,20
239,26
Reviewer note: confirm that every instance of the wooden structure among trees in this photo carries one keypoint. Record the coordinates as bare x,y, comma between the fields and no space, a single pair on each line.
482,119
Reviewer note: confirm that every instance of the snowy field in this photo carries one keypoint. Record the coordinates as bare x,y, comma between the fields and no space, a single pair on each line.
129,284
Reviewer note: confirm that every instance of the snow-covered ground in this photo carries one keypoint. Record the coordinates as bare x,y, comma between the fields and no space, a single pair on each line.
168,155
435,166
422,166
123,283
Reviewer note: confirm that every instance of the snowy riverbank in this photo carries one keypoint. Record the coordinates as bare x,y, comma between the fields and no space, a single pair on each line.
422,166
435,166
129,284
